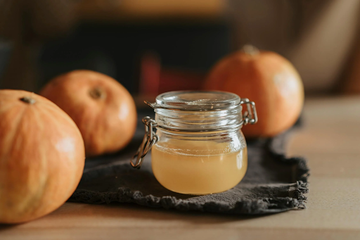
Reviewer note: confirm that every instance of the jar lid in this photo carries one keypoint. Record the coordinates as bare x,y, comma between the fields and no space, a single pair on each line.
197,100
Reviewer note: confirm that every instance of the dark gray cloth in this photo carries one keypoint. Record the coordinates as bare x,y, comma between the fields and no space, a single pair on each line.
273,183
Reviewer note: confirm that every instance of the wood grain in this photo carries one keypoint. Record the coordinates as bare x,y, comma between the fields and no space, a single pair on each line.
329,140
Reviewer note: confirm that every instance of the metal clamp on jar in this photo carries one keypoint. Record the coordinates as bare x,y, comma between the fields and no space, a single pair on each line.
196,141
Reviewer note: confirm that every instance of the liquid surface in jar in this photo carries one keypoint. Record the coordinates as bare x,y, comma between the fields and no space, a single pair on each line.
198,167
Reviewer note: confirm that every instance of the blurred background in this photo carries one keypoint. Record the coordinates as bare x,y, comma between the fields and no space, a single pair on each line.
161,45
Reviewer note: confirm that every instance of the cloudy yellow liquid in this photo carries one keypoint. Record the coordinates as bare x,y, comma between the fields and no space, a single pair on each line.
198,167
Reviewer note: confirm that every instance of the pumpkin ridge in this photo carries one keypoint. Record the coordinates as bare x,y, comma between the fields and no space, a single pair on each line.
52,108
15,133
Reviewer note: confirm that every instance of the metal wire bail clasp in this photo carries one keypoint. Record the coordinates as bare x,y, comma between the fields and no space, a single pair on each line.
150,138
250,115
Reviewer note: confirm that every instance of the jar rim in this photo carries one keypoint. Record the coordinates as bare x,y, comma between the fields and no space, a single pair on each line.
196,101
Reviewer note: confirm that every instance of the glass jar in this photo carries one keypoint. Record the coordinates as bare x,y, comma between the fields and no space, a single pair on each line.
197,145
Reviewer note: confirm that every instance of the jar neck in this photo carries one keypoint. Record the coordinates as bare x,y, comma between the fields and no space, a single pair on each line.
199,121
233,135
204,134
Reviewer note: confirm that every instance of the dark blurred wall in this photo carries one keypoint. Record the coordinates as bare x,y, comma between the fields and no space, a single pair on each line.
318,36
26,24
116,49
49,37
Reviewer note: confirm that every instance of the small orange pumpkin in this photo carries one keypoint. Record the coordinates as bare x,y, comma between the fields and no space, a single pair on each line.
42,156
102,108
266,78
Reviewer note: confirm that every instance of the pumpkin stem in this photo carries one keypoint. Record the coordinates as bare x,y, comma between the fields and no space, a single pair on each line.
97,93
28,100
250,49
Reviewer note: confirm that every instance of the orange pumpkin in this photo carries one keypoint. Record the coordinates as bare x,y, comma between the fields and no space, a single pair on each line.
101,107
42,156
266,78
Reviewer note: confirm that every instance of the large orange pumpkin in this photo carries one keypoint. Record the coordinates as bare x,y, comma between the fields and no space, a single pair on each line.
101,107
266,78
42,156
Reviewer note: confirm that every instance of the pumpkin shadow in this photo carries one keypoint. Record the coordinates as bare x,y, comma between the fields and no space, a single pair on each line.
6,226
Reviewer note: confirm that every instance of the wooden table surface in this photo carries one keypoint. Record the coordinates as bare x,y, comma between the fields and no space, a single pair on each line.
329,140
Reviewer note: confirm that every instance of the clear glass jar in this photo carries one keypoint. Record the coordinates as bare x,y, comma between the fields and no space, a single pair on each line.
198,147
